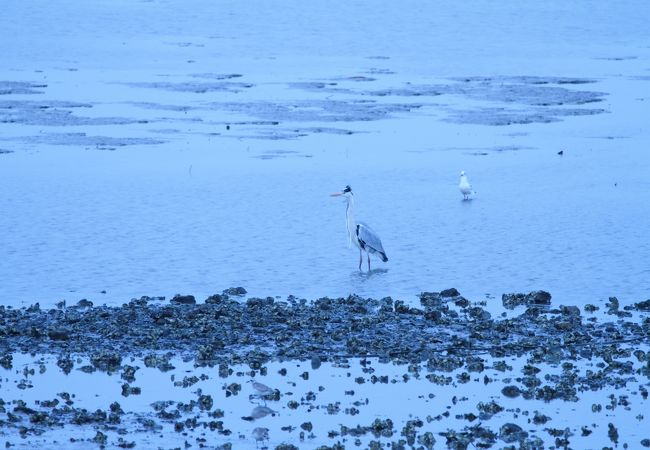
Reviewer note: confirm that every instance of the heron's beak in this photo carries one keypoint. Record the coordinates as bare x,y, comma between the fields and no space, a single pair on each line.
336,194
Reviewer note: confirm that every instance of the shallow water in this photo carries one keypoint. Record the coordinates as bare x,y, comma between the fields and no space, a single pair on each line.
209,162
170,218
344,394
154,148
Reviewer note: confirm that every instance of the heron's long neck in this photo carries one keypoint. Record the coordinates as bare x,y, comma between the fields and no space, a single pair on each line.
351,224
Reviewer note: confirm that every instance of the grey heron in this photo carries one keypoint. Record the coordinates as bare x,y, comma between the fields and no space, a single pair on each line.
464,186
360,233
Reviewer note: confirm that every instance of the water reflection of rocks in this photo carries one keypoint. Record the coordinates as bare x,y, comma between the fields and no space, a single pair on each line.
447,341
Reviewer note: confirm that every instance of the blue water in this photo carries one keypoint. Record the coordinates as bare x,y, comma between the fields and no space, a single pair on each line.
212,207
331,397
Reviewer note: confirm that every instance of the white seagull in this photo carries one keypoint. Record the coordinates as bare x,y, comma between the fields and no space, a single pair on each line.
360,233
260,434
262,390
464,186
262,411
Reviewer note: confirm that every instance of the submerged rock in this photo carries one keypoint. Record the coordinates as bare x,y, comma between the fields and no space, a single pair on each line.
642,306
183,300
236,291
535,298
452,292
107,361
511,432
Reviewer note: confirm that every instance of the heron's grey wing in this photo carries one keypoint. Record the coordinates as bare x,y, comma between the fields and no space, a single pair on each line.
370,239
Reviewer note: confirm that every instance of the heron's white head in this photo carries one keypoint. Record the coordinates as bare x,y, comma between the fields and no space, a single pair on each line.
462,173
346,193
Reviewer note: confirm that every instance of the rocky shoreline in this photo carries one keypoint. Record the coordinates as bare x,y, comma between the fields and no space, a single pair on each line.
227,329
445,334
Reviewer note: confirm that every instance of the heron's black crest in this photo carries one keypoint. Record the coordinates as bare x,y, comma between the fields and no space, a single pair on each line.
347,189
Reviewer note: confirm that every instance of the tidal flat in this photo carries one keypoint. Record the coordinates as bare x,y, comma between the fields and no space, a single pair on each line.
154,148
159,373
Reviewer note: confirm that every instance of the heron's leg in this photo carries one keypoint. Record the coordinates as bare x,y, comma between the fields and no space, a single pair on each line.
368,262
360,259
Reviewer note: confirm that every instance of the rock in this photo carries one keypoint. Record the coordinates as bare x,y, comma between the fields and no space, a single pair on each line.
100,438
127,390
216,299
183,300
572,311
434,316
452,292
236,291
540,419
539,298
84,303
107,361
205,402
6,361
510,301
511,391
511,432
431,299
612,433
535,298
427,440
612,305
65,363
487,410
477,313
128,373
59,335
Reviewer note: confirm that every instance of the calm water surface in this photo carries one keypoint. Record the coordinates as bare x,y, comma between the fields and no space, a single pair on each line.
211,207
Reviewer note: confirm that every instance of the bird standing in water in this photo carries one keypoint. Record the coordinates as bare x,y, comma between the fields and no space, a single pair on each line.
464,186
360,233
260,434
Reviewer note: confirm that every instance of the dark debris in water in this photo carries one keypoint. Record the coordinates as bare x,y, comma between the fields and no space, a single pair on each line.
216,76
509,99
501,116
21,87
88,141
318,110
274,154
52,113
197,87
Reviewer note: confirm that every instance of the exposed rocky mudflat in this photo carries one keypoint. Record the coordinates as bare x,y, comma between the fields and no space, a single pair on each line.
148,157
532,357
349,100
